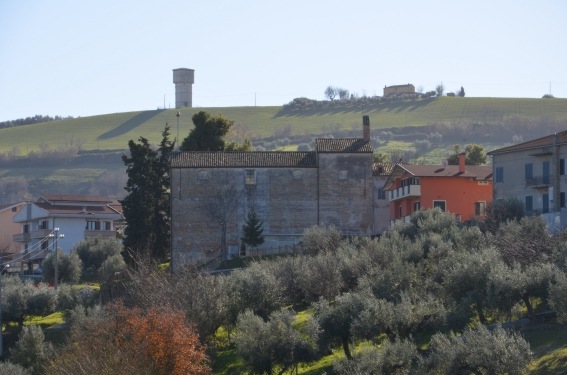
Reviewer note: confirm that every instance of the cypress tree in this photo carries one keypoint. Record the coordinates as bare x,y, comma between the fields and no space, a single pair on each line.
146,207
252,230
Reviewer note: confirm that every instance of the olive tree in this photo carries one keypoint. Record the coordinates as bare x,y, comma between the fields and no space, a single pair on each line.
477,351
275,343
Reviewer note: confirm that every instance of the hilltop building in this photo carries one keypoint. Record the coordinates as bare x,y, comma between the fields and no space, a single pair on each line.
183,79
534,173
463,190
399,89
212,193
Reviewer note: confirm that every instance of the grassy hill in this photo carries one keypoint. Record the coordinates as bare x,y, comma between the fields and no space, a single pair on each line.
113,131
492,122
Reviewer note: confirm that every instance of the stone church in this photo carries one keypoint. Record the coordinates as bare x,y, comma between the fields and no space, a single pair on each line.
212,193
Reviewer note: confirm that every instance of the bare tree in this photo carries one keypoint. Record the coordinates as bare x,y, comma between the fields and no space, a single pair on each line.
440,89
219,207
330,93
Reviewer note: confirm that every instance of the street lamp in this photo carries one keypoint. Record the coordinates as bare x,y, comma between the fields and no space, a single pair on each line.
178,114
56,235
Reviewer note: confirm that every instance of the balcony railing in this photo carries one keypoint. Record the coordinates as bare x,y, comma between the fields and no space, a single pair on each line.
539,181
40,233
100,233
405,191
21,237
35,254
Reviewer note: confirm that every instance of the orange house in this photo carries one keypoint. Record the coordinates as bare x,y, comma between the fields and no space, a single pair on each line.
463,190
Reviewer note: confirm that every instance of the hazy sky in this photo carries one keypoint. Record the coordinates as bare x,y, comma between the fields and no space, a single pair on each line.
82,58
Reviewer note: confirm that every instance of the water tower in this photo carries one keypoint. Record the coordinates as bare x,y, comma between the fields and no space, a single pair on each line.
183,79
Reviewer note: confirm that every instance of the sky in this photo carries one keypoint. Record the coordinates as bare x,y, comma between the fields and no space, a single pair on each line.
85,58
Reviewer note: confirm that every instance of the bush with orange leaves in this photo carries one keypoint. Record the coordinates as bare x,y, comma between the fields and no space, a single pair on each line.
119,340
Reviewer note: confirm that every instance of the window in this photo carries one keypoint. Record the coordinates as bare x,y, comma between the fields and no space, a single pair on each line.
203,175
250,177
499,174
43,224
546,172
416,206
107,225
529,171
480,208
562,199
545,203
561,167
440,205
482,183
400,211
529,203
93,225
26,228
44,245
298,174
380,193
14,209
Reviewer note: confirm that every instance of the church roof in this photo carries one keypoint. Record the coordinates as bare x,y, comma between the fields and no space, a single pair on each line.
232,159
348,145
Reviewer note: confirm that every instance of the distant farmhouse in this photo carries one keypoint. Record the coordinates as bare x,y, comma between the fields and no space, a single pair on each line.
399,89
534,173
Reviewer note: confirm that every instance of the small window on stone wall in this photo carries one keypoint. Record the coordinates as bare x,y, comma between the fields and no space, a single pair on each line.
203,175
250,177
343,175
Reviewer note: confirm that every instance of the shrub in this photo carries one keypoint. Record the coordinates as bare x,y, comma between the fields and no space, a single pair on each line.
31,350
69,267
94,251
478,351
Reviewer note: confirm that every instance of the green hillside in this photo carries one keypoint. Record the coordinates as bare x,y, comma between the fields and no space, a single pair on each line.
421,131
113,131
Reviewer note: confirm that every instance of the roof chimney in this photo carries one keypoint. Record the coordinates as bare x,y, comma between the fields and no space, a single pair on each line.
462,162
366,127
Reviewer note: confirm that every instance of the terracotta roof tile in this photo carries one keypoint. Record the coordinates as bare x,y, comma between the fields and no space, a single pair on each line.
55,209
481,172
350,145
546,141
75,198
256,159
382,169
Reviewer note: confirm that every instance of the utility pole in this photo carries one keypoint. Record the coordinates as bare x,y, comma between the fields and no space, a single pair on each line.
56,236
178,114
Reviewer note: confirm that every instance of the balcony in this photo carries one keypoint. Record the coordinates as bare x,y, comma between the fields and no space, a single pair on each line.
40,233
21,237
539,182
404,192
100,233
35,255
403,219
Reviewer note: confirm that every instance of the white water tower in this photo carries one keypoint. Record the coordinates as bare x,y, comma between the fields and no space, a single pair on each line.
183,79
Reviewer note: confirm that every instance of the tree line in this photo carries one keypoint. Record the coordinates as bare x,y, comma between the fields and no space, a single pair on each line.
31,120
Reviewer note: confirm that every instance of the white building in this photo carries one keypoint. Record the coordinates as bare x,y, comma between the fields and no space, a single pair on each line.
76,218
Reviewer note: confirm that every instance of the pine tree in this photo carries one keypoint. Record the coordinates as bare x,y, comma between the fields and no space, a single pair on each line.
208,133
146,207
252,230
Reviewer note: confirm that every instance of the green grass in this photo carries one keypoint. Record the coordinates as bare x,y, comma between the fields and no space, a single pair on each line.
45,321
113,131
